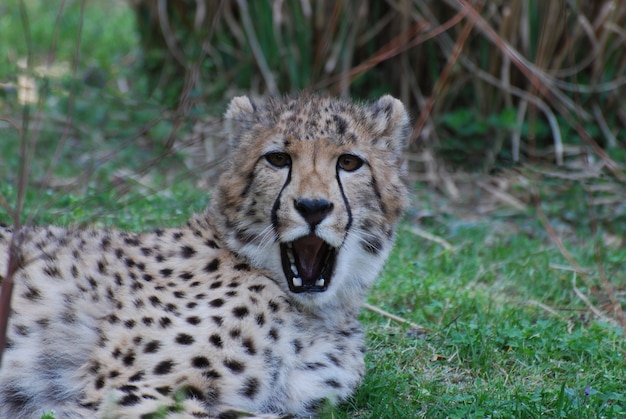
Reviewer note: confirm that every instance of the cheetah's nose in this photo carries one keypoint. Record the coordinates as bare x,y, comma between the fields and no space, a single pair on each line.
313,210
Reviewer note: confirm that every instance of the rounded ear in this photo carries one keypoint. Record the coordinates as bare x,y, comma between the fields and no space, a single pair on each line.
238,117
239,106
391,119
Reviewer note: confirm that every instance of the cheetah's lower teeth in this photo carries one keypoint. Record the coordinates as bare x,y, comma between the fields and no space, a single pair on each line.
297,282
320,282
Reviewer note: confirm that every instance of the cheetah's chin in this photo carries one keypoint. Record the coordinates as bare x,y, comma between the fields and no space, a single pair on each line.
308,264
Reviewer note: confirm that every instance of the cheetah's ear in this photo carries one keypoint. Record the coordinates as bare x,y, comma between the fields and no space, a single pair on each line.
238,117
390,119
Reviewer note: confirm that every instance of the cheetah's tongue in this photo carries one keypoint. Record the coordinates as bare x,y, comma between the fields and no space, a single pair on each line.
310,254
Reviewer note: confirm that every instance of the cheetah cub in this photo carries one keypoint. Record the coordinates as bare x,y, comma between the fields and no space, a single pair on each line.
251,306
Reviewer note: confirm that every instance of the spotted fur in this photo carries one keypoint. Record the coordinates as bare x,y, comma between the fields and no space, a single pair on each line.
252,305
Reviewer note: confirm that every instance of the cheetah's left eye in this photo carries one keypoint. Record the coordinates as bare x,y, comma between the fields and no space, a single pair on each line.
349,162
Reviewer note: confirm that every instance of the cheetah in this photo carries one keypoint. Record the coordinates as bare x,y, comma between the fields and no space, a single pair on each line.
251,306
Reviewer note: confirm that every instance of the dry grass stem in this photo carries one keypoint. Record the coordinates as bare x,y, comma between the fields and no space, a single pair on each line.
395,318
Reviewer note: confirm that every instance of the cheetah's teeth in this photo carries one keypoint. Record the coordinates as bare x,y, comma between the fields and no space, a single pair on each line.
320,282
297,282
294,269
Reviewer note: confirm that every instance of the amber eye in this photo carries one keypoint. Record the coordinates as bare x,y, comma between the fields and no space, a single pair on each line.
349,162
278,159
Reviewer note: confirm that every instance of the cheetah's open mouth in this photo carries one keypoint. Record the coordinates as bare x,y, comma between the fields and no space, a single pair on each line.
308,264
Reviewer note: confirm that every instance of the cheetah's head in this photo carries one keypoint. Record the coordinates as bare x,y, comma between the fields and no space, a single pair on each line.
312,192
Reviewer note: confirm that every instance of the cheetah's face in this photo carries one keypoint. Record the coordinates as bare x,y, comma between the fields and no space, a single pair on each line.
313,191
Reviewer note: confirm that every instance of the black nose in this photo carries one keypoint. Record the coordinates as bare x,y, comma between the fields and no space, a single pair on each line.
313,210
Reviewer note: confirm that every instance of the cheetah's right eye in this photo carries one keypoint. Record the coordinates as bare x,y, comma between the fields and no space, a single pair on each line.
278,159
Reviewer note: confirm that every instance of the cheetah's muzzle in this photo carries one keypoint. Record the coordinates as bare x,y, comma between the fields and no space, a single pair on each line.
308,264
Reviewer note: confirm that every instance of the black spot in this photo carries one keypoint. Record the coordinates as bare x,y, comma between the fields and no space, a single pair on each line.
99,382
155,300
186,276
164,390
165,322
212,266
235,333
194,320
184,339
192,304
200,362
113,319
166,272
273,333
260,319
187,251
313,366
218,320
131,241
128,388
105,243
340,124
16,395
216,340
256,288
114,374
235,366
147,321
240,312
129,400
242,267
129,324
32,294
218,302
273,305
231,294
333,383
164,367
118,280
332,358
192,392
248,344
146,251
152,347
211,374
102,268
250,388
297,346
215,285
136,377
52,271
211,244
44,323
158,232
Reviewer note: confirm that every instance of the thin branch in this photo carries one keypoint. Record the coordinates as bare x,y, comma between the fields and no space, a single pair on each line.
395,318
